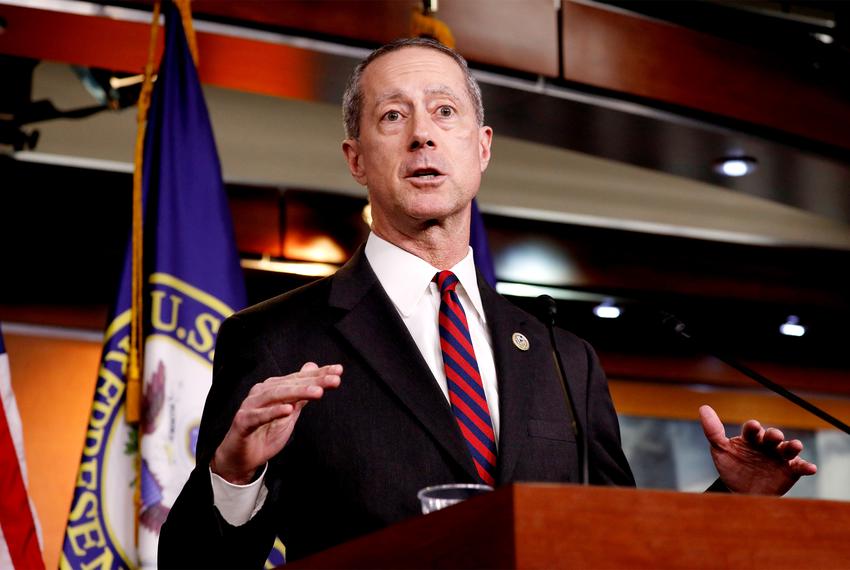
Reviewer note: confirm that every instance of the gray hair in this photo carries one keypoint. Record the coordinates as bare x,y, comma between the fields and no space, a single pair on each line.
352,100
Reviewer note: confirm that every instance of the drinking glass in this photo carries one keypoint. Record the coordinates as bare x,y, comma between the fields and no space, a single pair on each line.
442,496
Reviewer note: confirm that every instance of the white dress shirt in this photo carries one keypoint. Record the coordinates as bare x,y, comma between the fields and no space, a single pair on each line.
409,283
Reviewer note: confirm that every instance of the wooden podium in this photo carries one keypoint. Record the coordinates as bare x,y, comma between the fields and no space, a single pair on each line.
566,526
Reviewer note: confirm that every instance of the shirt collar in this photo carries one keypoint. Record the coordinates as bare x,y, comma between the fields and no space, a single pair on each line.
406,277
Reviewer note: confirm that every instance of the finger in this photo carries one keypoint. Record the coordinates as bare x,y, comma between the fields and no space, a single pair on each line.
324,380
326,376
800,467
248,420
752,432
289,393
772,438
293,394
712,426
788,450
309,370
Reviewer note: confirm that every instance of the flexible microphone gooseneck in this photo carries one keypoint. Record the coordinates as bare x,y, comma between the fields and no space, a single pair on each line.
678,327
551,311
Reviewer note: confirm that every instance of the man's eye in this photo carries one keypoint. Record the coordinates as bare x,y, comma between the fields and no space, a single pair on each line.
392,116
446,111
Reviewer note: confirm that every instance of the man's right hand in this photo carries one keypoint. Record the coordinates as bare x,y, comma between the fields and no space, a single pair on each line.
265,420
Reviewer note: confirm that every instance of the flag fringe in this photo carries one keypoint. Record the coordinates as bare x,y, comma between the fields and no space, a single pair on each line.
133,402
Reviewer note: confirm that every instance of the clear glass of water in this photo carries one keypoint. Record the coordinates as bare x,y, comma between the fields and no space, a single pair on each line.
442,496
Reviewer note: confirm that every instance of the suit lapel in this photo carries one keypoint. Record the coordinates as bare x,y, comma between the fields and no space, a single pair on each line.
373,327
516,371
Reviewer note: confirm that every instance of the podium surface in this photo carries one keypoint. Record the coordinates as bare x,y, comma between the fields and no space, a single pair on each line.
567,526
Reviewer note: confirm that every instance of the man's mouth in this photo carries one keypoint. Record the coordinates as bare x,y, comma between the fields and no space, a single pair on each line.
425,174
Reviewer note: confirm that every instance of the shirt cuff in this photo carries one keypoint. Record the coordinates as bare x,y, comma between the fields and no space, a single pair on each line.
238,503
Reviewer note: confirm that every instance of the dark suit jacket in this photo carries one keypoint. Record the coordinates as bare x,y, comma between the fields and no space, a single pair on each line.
358,456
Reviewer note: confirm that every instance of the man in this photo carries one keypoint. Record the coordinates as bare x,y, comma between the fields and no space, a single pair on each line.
426,377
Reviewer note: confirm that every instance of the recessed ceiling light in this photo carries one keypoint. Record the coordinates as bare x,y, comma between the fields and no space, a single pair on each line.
792,327
735,166
607,309
823,38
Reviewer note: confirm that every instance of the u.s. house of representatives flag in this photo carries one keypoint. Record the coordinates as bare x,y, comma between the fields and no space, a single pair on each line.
193,282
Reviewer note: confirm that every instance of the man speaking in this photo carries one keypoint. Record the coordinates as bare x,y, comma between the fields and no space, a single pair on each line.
332,405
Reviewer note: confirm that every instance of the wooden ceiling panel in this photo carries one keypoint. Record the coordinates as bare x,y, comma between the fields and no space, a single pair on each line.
479,26
57,36
117,45
515,35
656,60
369,21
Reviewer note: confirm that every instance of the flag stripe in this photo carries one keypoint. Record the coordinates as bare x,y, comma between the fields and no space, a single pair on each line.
15,515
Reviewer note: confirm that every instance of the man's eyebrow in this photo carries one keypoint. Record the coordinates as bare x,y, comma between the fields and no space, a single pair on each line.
388,96
397,94
444,90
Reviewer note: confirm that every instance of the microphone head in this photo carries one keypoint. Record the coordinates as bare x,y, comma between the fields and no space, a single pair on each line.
672,322
549,309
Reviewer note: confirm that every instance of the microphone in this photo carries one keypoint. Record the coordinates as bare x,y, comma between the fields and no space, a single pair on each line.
551,311
678,327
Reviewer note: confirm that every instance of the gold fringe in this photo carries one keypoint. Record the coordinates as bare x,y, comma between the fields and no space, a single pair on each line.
422,25
134,373
133,402
185,7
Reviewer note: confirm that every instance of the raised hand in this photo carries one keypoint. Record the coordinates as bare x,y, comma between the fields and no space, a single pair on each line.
759,461
265,420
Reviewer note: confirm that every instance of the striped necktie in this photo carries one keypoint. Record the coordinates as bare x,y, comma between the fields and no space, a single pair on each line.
466,391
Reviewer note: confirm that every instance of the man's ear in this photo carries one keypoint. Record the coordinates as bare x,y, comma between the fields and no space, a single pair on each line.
351,151
485,139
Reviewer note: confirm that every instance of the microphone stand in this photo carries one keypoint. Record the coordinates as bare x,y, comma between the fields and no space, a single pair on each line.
551,309
679,328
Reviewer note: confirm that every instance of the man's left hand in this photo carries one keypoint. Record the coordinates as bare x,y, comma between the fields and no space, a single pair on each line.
759,461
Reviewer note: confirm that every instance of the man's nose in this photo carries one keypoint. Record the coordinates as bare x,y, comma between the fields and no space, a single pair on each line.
420,135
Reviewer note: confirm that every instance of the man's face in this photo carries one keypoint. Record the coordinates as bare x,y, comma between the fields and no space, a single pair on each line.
420,152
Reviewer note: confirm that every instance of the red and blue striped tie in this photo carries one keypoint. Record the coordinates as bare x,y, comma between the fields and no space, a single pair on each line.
466,391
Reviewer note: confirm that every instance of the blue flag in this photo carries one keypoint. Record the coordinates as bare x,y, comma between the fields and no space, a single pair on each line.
193,281
480,246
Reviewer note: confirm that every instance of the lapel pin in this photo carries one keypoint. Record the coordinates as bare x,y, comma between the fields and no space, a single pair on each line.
520,341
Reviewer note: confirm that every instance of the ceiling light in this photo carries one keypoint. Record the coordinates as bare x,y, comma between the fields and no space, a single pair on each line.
536,260
735,166
607,309
823,38
306,268
792,327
